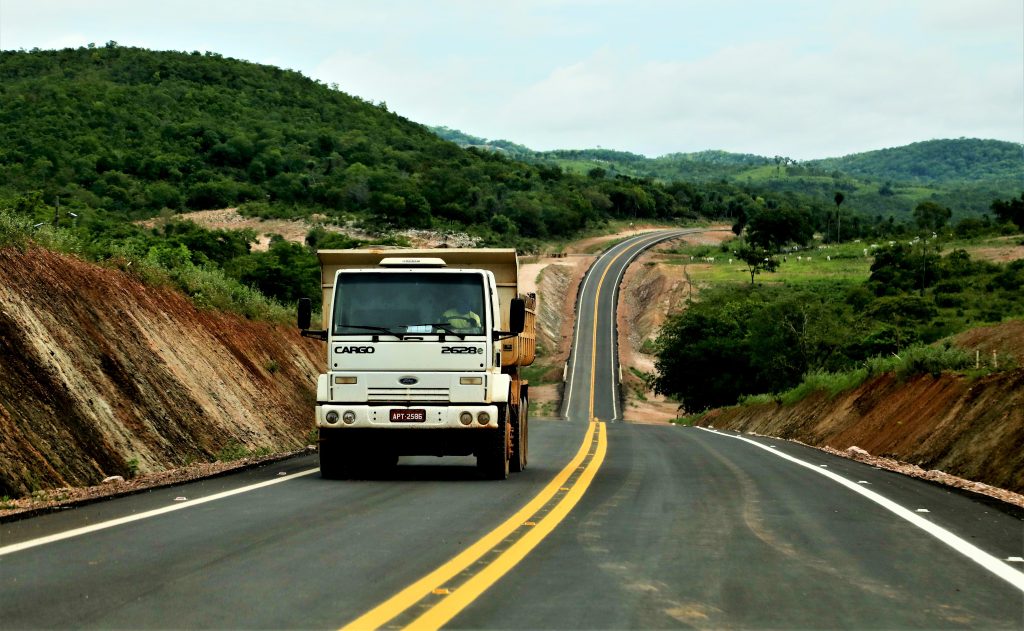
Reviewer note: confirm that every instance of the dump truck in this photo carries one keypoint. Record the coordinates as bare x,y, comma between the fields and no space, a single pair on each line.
425,352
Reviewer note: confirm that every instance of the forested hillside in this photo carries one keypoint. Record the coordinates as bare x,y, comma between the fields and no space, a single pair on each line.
936,161
946,162
95,139
130,132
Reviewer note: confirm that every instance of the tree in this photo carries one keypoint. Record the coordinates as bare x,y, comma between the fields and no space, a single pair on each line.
904,267
798,332
758,260
931,216
839,197
741,221
1010,211
703,357
901,314
287,271
773,228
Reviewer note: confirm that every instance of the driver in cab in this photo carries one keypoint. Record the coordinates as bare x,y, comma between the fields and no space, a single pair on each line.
462,318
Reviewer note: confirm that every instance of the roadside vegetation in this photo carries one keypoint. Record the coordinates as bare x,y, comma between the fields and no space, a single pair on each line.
156,264
826,316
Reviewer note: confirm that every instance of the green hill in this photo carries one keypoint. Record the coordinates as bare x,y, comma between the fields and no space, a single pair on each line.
964,175
943,162
128,132
936,162
117,134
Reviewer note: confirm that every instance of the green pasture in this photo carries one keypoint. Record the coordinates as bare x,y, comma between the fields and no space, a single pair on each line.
845,262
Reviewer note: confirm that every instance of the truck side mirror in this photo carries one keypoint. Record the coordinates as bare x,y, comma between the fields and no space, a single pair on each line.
517,316
305,312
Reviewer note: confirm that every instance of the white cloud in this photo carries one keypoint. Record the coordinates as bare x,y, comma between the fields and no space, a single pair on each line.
771,98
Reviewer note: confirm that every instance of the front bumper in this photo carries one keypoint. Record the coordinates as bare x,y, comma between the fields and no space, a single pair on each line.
379,416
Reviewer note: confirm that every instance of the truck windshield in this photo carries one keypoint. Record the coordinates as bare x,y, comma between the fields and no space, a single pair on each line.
408,303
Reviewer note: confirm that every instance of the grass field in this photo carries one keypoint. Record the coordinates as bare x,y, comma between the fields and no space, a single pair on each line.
848,262
845,262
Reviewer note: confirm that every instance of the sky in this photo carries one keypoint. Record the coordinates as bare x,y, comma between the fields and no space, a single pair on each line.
798,78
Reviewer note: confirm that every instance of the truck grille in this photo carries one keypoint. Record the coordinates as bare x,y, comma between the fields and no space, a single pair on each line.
407,394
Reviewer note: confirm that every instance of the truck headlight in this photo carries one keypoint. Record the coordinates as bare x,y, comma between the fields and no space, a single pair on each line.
465,418
471,381
483,418
349,417
331,417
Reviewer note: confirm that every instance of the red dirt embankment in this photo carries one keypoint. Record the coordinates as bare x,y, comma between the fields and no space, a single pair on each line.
973,429
101,375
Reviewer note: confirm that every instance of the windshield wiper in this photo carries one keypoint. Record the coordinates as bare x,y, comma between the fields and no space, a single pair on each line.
386,331
444,326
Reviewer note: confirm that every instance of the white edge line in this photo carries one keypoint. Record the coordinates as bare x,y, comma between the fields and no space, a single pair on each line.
969,550
68,534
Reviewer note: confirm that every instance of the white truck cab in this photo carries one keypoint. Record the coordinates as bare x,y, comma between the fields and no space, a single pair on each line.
424,350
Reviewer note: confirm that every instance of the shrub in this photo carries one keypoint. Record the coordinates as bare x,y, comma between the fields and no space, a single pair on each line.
14,229
18,231
830,382
232,451
921,359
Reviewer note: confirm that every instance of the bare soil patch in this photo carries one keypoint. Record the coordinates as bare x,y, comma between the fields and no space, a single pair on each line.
1010,250
101,375
296,229
996,343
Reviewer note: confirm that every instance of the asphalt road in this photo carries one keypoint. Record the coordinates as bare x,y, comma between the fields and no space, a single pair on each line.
612,526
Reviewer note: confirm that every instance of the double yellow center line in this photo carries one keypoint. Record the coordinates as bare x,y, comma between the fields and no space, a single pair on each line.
438,597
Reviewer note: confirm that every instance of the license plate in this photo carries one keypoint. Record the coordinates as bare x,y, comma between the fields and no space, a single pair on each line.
408,416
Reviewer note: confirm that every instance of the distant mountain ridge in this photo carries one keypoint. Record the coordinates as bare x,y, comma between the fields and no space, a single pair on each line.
961,160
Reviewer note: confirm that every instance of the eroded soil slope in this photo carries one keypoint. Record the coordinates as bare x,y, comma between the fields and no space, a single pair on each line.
101,375
973,429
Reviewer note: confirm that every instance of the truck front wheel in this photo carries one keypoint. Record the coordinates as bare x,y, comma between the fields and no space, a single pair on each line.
332,461
492,458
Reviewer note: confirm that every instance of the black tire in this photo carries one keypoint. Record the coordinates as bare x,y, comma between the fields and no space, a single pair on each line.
524,411
520,445
332,461
492,457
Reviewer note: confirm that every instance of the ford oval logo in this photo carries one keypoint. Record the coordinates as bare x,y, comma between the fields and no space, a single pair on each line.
408,381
